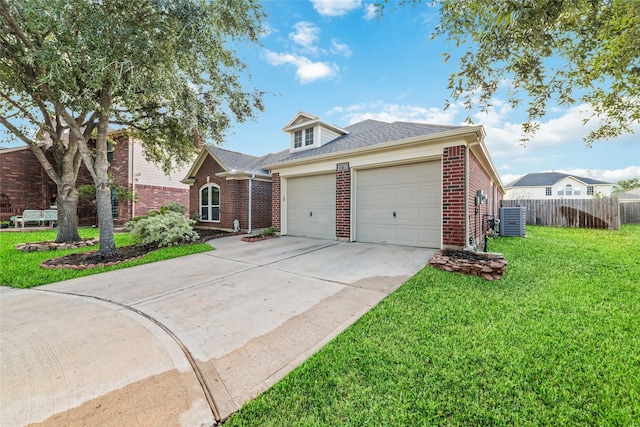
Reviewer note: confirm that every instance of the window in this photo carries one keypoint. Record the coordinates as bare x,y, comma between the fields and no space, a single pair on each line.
210,203
110,154
297,139
308,137
590,191
114,203
568,190
577,191
547,191
561,192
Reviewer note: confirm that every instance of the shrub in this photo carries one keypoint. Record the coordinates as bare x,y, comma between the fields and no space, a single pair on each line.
169,228
271,231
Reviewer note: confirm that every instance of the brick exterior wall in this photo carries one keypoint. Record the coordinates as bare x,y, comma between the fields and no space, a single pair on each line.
153,197
23,184
234,198
261,204
453,223
343,201
275,201
478,219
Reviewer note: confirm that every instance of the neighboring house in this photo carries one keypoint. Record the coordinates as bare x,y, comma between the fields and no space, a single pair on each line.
556,185
397,183
25,185
228,186
629,196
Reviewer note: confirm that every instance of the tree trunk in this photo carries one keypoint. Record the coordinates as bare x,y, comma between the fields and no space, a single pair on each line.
67,202
105,218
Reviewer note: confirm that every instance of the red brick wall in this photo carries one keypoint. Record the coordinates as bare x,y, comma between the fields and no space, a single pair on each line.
23,184
479,179
343,201
453,223
261,204
275,201
152,197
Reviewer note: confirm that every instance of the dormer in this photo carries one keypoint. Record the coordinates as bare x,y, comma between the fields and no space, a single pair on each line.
306,131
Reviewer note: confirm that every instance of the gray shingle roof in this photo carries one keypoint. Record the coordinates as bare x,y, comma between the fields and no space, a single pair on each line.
368,133
244,162
548,178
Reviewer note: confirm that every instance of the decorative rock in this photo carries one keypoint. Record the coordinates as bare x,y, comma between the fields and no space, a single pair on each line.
489,266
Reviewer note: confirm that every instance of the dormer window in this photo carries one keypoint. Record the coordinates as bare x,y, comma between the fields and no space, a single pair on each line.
308,137
307,132
297,139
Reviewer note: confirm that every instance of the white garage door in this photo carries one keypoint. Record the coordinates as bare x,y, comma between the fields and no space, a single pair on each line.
311,206
400,205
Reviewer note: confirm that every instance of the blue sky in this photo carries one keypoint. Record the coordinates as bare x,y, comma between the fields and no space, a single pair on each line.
333,59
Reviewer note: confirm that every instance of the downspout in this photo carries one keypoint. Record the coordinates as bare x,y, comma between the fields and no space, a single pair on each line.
250,198
132,178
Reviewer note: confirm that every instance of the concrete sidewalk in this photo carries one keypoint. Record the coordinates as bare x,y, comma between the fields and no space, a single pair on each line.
184,341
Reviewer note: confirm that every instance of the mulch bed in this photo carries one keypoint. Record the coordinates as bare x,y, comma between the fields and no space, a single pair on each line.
83,260
206,234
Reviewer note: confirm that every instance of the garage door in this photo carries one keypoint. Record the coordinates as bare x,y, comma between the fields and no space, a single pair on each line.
311,206
399,205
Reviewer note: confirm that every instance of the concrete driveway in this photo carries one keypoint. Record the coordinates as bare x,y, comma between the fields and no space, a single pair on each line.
184,341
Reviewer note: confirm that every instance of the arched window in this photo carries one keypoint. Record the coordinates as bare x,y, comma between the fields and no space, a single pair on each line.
568,190
210,203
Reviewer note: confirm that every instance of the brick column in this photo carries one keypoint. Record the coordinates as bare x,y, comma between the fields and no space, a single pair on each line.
453,197
275,201
343,201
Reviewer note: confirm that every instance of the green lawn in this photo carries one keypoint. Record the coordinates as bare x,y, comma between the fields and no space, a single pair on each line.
22,270
556,341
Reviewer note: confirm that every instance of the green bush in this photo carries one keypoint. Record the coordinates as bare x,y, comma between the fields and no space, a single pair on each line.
168,228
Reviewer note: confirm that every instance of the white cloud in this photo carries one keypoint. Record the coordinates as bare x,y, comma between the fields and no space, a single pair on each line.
371,11
340,48
267,30
394,113
333,8
306,36
307,71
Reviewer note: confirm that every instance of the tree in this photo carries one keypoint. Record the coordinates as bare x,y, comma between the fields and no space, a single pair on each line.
626,185
570,51
164,69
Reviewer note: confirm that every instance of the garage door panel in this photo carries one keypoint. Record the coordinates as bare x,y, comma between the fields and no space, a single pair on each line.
413,192
311,208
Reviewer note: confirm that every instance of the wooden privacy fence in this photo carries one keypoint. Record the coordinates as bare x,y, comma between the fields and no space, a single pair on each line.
630,212
576,213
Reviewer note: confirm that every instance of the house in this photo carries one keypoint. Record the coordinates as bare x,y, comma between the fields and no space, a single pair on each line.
556,185
24,184
227,186
629,196
397,183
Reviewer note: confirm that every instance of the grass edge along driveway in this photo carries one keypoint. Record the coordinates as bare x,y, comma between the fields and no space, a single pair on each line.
22,270
555,342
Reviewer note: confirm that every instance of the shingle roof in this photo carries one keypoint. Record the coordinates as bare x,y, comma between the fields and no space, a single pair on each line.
548,178
243,162
368,133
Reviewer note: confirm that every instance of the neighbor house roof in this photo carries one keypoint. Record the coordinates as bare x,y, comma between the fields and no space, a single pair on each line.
548,178
368,133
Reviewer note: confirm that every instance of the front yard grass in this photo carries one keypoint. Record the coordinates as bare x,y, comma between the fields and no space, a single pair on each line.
22,270
556,341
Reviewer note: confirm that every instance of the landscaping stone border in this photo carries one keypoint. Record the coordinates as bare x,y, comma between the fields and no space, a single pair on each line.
85,266
53,246
489,266
251,239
